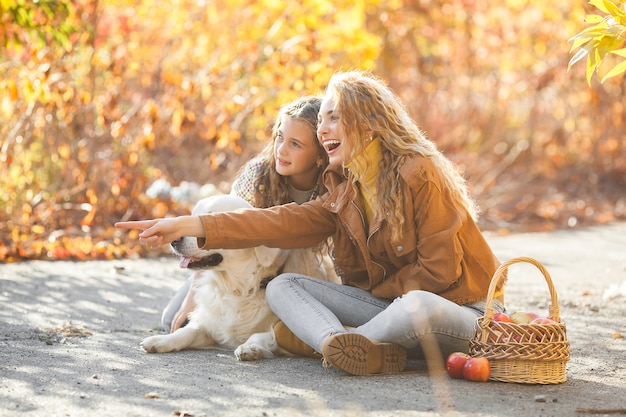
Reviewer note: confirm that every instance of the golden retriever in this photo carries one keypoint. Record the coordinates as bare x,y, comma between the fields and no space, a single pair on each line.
231,311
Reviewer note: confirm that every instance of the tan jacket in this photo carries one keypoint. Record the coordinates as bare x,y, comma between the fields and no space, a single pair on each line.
441,251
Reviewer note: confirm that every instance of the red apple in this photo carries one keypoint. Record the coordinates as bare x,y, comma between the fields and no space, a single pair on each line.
455,363
522,317
477,369
502,317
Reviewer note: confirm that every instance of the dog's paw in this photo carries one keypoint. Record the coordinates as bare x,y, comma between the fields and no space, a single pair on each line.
155,344
251,352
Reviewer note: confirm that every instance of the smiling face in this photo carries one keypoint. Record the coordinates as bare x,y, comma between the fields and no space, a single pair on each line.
297,153
330,131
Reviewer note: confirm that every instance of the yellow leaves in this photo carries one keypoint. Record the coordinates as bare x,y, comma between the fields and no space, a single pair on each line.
37,229
133,157
187,85
181,120
7,107
620,52
227,139
29,91
605,36
115,190
177,121
614,8
175,79
616,70
594,19
64,151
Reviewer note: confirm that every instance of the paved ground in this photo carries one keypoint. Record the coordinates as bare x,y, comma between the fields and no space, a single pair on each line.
70,332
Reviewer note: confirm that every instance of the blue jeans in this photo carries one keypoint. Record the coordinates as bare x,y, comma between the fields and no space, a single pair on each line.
170,310
419,320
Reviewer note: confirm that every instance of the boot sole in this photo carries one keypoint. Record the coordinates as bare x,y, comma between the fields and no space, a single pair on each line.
357,355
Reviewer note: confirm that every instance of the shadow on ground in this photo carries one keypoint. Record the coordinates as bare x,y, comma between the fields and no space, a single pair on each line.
70,333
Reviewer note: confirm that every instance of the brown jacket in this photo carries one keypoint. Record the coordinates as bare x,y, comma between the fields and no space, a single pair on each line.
441,251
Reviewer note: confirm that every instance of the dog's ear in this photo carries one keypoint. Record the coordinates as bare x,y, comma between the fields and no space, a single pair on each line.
270,256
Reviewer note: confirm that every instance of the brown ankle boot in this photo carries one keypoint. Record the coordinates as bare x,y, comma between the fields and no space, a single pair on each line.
291,343
357,355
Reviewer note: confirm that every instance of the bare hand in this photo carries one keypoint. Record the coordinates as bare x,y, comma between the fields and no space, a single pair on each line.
159,232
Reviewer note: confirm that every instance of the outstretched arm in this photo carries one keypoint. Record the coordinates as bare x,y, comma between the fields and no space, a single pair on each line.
159,232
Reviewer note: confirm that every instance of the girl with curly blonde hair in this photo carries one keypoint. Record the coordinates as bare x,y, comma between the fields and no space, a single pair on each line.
415,267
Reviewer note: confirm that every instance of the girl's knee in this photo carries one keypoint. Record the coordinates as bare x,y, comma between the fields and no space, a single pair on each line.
418,300
279,283
275,284
425,307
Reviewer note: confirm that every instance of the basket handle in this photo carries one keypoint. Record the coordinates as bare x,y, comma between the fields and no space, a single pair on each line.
499,275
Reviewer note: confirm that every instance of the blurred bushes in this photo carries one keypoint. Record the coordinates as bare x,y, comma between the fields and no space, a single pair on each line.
185,90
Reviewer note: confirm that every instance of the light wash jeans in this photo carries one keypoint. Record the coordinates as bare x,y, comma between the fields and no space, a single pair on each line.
314,309
170,310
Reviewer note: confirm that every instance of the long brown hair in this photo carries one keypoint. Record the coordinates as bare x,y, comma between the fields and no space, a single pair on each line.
270,188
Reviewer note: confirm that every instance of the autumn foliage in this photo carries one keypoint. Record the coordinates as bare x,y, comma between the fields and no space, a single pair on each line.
101,98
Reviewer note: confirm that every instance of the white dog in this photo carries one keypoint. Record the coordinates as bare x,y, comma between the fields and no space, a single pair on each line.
230,292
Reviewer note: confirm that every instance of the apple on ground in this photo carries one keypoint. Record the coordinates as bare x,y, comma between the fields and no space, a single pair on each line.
455,363
477,369
523,317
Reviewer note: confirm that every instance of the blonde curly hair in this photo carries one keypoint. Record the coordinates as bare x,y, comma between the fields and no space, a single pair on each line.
370,109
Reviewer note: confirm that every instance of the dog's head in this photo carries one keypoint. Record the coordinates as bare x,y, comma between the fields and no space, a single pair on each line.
261,261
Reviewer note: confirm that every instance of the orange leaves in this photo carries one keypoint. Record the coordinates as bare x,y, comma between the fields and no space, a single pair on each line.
227,140
173,78
93,208
181,121
66,248
159,210
186,92
50,233
181,89
11,86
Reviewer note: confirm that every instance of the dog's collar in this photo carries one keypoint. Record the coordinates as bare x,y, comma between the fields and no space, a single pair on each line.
266,280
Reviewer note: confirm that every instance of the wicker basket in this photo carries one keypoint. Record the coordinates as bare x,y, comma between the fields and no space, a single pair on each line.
523,353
